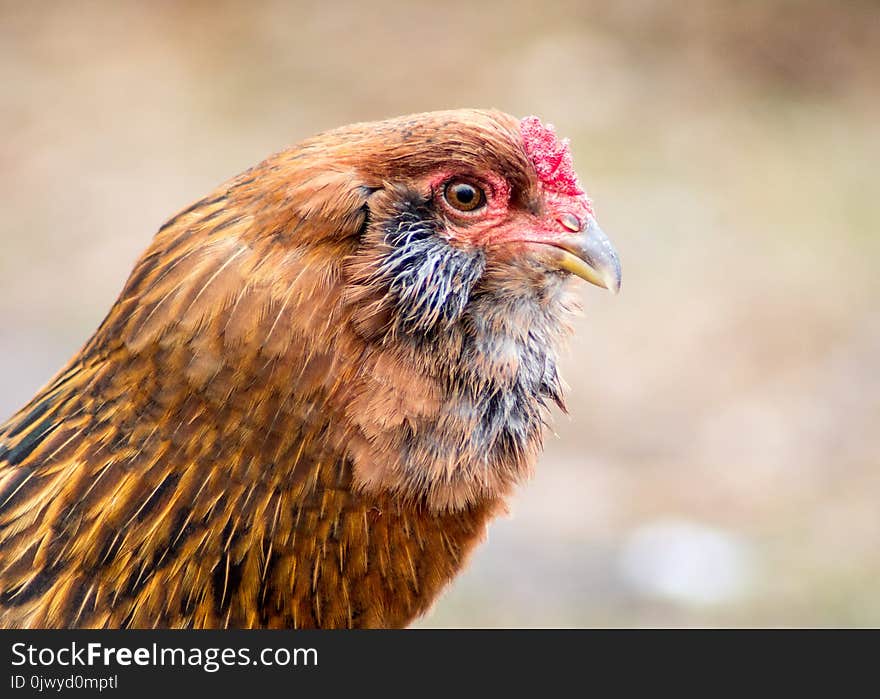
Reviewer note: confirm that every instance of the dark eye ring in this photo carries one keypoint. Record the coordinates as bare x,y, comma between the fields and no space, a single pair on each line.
463,195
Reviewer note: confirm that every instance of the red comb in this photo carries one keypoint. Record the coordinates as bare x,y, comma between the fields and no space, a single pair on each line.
550,156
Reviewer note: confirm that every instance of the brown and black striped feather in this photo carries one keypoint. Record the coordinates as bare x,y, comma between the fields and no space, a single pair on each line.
188,479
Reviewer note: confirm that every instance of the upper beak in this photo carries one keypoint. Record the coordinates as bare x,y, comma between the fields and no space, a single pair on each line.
588,254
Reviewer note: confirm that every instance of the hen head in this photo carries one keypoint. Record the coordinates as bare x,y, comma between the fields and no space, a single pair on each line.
468,201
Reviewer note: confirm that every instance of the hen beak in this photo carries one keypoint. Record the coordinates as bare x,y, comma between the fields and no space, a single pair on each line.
589,255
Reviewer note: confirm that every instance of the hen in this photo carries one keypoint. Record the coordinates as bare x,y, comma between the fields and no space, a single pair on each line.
317,387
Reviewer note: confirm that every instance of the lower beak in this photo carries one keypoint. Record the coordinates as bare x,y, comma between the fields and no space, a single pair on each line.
589,255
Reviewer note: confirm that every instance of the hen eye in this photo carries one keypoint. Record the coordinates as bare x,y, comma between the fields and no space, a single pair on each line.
464,196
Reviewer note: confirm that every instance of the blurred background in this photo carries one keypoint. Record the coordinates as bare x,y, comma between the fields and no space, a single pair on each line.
720,462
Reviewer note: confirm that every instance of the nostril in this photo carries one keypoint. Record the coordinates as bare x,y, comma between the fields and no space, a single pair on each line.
571,222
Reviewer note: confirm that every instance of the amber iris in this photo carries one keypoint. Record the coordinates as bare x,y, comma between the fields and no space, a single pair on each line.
464,196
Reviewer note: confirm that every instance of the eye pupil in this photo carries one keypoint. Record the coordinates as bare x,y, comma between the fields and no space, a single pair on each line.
463,195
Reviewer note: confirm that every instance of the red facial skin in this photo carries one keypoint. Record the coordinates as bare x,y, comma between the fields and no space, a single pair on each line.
497,222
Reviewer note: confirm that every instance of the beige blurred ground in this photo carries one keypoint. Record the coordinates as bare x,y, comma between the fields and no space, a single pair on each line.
720,462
